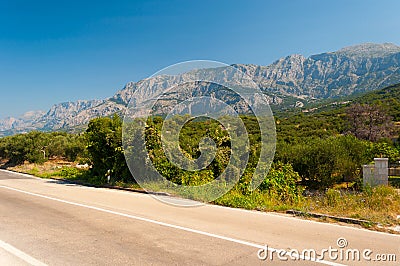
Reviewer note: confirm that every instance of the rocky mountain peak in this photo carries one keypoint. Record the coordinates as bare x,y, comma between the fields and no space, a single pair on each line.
370,50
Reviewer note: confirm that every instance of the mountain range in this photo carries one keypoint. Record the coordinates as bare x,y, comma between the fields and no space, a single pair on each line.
291,81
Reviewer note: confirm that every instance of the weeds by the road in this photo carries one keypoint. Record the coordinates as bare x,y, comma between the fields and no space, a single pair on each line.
379,204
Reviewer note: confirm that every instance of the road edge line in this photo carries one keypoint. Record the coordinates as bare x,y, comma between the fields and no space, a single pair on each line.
20,254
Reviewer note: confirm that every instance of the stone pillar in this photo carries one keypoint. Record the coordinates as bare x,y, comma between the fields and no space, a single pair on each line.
381,172
368,175
378,174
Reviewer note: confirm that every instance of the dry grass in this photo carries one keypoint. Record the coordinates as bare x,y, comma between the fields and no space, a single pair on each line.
379,205
49,169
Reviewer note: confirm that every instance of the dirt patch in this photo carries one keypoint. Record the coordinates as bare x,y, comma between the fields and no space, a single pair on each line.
46,168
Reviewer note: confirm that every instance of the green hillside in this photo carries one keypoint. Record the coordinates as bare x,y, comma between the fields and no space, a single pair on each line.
327,118
388,97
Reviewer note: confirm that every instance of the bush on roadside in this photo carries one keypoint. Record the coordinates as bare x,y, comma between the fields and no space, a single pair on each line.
321,163
282,183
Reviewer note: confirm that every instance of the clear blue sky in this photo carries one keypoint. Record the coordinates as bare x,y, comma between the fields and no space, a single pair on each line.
55,51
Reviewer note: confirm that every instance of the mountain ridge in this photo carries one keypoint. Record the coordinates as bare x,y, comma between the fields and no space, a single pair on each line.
350,70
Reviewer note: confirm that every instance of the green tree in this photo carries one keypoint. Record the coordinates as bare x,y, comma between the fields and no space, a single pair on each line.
324,162
104,136
383,150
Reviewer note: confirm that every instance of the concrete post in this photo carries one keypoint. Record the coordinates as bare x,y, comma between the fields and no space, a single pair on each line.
381,171
368,175
378,174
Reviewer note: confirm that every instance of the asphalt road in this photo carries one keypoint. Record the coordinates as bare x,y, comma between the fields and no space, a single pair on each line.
46,222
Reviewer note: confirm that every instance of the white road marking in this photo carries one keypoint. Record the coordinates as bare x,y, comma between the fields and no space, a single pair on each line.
21,174
238,241
20,254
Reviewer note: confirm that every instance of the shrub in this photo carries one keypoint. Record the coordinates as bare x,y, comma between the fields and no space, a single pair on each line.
70,172
281,183
321,163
